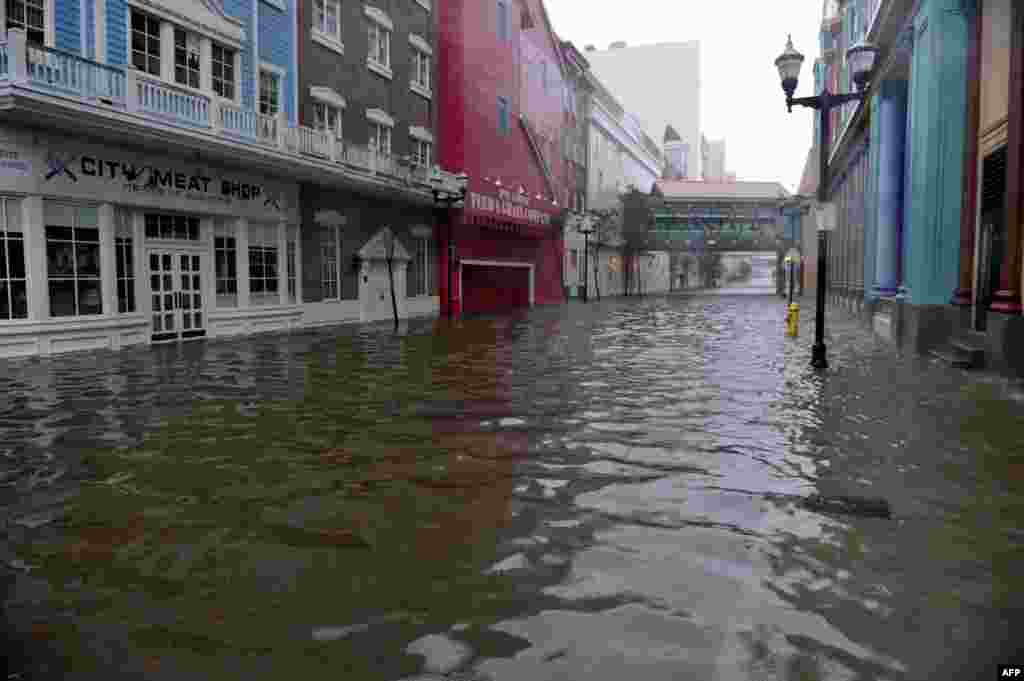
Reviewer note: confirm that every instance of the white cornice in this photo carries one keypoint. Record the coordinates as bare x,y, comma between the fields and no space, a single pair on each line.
421,133
377,14
380,116
197,15
327,96
420,44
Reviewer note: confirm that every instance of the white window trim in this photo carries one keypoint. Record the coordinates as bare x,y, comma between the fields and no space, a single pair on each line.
420,44
326,95
425,4
331,42
325,40
377,15
420,90
380,116
49,24
236,42
379,68
420,133
336,229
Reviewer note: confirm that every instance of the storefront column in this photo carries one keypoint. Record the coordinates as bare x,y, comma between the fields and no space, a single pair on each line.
242,261
282,262
963,295
108,259
143,291
32,221
893,124
1007,299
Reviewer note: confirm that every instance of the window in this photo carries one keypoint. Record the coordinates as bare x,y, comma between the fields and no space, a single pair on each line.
166,226
291,260
223,71
380,138
573,255
421,69
503,122
503,26
186,58
328,118
422,152
124,256
327,13
29,15
13,284
270,92
145,43
225,255
380,44
263,264
73,259
329,247
420,270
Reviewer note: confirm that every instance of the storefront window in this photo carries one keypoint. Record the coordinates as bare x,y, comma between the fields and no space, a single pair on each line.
73,259
13,286
292,258
263,264
225,263
125,264
329,246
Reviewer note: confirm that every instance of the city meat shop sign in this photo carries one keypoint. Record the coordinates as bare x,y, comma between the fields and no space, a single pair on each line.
508,204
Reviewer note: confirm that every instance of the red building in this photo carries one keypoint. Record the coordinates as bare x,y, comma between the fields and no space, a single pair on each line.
502,111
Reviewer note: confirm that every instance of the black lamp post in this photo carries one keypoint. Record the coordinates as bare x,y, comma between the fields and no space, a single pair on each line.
586,228
449,192
861,59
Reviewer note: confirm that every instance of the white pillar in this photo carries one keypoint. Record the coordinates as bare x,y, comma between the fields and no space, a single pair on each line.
166,51
131,91
32,223
108,259
143,290
282,262
101,31
17,45
298,264
242,260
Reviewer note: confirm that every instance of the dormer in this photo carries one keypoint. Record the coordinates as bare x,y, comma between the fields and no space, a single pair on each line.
204,17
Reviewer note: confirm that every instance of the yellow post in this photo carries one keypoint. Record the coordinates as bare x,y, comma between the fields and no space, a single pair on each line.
793,320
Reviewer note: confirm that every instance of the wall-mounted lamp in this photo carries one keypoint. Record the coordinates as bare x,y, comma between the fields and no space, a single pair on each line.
357,262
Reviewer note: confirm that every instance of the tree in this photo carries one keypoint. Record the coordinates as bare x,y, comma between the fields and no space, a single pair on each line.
636,221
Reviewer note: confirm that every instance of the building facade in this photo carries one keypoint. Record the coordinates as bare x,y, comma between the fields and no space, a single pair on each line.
367,95
713,160
627,72
502,118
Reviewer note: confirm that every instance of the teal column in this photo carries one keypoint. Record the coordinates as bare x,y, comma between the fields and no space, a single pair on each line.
892,125
937,129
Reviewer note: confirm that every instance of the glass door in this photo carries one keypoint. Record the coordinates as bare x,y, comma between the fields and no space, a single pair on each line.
176,292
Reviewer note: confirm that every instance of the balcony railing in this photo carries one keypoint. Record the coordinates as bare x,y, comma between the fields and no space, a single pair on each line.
169,102
34,67
70,74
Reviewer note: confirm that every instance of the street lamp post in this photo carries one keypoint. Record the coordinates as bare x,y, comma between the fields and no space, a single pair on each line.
861,59
449,192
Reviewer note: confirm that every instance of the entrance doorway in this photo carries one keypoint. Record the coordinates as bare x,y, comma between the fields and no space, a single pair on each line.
991,235
176,288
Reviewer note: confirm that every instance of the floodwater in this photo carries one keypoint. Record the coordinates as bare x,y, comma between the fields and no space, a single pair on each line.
599,491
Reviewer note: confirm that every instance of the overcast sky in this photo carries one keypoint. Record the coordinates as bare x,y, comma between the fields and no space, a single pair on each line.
741,96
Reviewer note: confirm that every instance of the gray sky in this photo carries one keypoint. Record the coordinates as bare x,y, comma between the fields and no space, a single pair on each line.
742,98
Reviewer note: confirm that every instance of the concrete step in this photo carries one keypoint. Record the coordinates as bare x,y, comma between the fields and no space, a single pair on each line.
954,358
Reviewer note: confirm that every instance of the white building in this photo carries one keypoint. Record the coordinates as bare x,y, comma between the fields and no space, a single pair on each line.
713,154
637,77
621,155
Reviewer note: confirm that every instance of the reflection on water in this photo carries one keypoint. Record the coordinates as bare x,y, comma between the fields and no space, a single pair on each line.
577,492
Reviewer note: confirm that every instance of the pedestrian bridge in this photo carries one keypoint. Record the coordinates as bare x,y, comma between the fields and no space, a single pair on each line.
711,230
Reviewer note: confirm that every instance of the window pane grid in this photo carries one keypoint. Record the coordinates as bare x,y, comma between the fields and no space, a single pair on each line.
223,71
145,43
125,276
329,248
186,58
13,284
29,15
225,264
73,260
269,93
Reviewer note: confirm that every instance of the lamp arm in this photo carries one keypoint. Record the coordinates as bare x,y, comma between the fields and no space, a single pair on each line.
839,100
809,102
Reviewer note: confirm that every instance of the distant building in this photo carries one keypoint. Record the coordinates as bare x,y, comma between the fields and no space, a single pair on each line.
627,73
676,153
713,160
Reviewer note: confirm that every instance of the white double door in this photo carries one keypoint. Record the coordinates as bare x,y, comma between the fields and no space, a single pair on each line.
177,294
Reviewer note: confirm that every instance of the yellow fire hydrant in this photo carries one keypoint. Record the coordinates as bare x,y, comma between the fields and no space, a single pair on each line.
792,320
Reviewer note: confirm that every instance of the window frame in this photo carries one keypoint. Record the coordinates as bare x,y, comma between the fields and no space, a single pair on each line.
264,247
421,270
75,260
7,278
47,29
418,147
233,65
504,22
198,53
378,32
377,133
330,238
291,260
225,231
421,66
327,107
278,74
319,22
124,263
149,38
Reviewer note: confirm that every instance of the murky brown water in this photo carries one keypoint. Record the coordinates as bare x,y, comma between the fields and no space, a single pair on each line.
576,493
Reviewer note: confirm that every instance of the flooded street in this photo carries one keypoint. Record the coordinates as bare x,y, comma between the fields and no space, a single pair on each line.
600,491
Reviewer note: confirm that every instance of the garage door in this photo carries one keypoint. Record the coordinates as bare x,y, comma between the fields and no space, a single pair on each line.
490,288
